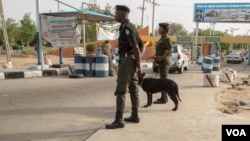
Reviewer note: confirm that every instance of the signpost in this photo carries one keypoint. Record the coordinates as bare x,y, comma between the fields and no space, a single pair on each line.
213,39
183,38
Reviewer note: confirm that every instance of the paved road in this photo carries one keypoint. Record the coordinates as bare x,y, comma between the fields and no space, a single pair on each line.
64,109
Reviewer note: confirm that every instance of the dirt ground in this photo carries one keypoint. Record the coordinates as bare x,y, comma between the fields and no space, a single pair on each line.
231,100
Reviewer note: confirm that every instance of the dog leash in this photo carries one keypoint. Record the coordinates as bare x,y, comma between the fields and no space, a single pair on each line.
156,74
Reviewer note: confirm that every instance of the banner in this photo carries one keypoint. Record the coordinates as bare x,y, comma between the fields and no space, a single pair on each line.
222,12
60,31
108,31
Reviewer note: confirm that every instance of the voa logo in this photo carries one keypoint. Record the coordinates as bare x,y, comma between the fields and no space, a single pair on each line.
236,132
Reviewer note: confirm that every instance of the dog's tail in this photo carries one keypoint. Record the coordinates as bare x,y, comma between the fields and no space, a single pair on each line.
177,92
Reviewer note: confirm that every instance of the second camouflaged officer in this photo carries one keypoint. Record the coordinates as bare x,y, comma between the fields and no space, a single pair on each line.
163,51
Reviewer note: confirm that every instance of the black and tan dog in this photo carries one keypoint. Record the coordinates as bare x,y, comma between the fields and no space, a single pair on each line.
154,85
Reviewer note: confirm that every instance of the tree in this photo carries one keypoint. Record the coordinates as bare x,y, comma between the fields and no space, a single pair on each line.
175,29
12,30
108,10
27,29
224,46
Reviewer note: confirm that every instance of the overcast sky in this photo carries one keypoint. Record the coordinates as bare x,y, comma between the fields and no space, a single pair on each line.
174,11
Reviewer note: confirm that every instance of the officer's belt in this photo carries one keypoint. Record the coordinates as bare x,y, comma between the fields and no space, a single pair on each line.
126,55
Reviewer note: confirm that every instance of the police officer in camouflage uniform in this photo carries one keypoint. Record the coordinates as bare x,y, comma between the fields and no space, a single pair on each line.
107,50
128,68
163,51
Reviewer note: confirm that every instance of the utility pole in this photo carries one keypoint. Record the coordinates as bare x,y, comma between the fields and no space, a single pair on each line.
142,9
153,16
232,30
58,6
5,34
232,34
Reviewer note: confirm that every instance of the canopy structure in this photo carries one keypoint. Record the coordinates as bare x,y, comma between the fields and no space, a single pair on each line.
85,14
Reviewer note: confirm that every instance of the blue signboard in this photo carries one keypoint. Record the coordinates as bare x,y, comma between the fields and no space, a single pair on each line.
222,12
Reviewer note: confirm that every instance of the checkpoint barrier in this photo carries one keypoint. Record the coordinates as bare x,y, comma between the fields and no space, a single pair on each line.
101,66
200,60
228,75
211,80
79,65
89,66
234,72
92,66
207,65
216,64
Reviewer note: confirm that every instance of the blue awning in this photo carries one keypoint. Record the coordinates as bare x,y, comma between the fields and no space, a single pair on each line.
85,14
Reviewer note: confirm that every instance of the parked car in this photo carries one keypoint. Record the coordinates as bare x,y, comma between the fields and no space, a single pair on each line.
235,57
180,60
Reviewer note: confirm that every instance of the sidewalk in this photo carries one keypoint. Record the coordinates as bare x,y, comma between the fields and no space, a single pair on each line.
197,119
29,73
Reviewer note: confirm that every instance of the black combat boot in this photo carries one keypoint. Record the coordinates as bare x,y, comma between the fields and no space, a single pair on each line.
162,100
117,123
134,116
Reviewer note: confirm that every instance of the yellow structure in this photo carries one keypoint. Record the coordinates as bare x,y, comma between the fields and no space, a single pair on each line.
202,38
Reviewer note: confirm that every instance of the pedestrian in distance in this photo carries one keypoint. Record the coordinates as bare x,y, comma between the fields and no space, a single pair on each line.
163,51
107,50
129,68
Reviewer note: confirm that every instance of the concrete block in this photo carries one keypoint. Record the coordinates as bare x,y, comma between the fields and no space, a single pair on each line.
38,67
37,73
28,74
63,71
13,75
2,76
50,72
211,80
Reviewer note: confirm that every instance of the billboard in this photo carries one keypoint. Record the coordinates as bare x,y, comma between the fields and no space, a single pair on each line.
222,12
60,31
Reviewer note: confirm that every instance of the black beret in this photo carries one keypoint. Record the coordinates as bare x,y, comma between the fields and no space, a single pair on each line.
163,24
122,8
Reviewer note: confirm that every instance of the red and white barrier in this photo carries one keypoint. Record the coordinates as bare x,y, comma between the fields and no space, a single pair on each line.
228,75
211,80
71,70
234,72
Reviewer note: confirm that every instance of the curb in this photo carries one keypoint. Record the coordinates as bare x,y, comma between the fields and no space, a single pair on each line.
34,72
2,76
16,74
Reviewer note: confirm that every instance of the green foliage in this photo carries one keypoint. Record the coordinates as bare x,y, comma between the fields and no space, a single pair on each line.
177,29
27,29
15,47
207,32
91,32
22,32
47,44
12,30
90,48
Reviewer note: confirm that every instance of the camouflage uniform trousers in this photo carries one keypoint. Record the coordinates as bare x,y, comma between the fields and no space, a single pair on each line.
163,72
